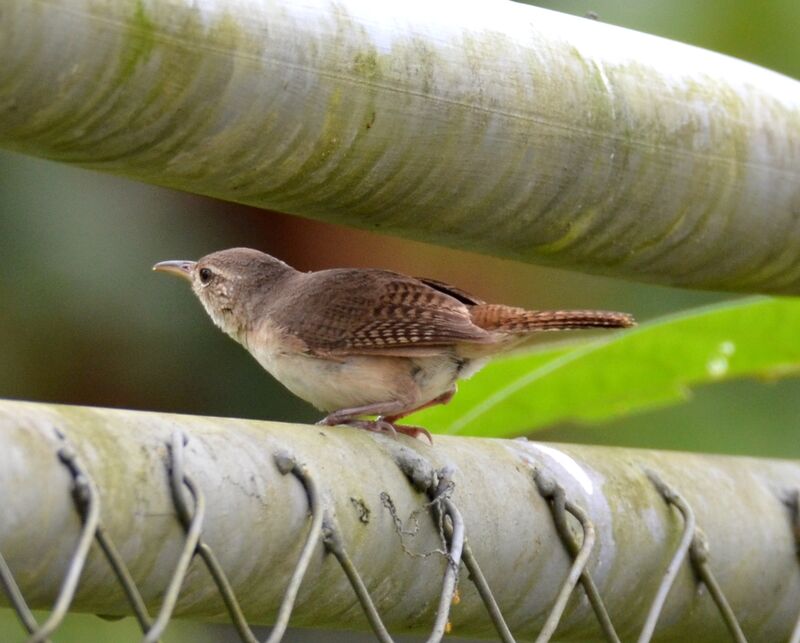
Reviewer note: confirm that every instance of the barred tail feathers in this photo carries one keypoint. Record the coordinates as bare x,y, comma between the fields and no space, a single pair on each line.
496,317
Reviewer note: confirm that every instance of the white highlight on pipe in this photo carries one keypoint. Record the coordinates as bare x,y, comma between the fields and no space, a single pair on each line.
567,463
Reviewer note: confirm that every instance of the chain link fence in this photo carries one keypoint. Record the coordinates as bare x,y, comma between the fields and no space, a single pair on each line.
681,555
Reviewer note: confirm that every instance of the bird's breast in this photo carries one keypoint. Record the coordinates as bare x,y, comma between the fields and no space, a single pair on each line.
328,384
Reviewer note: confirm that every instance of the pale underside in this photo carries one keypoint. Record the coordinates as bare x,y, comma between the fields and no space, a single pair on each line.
411,376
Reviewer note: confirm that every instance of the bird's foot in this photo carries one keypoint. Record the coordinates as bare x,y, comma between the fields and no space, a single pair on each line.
407,429
414,431
378,425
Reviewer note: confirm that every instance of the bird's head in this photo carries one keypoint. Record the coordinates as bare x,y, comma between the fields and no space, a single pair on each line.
233,285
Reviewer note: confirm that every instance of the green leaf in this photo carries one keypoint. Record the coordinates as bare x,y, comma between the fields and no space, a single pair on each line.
651,365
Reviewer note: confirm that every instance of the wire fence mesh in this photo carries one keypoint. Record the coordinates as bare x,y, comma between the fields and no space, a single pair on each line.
572,523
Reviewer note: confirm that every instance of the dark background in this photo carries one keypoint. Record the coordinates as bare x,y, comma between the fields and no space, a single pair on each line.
83,320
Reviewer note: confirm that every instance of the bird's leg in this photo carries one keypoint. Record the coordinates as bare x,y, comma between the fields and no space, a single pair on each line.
387,413
415,431
444,398
351,417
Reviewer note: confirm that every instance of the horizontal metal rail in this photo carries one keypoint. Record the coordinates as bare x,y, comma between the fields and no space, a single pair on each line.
492,126
222,519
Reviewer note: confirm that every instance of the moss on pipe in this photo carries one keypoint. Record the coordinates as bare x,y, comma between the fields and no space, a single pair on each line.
501,128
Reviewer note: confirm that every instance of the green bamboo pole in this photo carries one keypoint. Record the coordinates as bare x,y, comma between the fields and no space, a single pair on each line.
256,520
490,126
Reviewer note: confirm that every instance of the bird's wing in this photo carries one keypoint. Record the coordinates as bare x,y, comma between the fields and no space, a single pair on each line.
377,312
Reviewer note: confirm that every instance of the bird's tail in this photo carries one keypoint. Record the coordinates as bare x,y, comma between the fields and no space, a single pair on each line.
507,319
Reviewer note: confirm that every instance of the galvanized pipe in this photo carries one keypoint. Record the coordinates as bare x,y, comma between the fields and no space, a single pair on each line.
256,521
491,126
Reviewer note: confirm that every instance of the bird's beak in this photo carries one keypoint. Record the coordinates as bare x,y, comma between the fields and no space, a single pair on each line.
177,267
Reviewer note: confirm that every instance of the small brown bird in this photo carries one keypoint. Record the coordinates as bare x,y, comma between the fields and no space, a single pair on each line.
356,342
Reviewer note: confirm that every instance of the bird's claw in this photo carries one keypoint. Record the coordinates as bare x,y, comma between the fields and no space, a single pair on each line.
409,430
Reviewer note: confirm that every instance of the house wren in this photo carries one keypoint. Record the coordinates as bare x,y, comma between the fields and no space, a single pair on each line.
361,342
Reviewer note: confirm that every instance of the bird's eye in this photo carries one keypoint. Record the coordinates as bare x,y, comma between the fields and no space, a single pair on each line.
205,275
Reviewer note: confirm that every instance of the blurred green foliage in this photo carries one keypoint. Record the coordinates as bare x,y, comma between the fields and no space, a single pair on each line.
84,321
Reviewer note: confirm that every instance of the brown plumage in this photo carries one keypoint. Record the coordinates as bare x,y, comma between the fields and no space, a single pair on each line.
358,342
372,311
377,311
496,317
